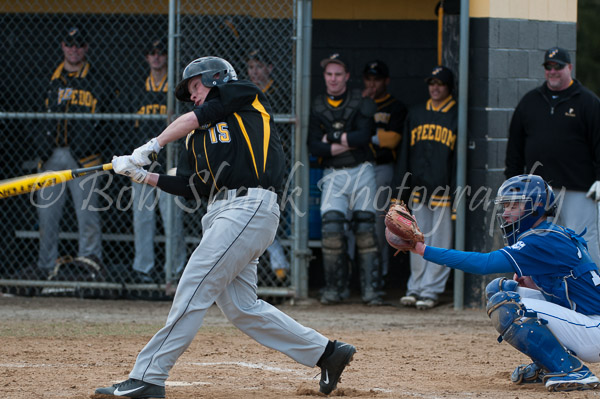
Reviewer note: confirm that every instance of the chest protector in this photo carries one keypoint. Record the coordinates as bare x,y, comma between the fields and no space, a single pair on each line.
341,118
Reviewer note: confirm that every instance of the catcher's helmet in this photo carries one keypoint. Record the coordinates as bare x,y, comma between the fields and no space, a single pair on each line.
215,71
535,193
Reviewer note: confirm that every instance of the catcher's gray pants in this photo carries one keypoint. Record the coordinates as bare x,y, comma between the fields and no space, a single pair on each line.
145,198
50,202
236,231
346,189
428,279
577,212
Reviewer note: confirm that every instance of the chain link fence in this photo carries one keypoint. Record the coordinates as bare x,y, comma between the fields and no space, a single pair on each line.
50,120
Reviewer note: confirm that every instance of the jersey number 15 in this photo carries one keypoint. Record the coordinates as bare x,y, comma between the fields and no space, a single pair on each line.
219,133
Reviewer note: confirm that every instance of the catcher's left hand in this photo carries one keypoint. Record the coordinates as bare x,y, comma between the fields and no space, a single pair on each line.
401,229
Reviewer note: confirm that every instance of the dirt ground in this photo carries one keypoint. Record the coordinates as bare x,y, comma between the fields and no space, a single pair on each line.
65,348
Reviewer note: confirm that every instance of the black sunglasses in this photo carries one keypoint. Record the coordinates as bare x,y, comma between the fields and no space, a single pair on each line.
74,44
556,67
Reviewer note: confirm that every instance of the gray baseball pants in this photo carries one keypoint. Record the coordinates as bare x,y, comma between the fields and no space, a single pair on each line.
50,202
428,279
222,269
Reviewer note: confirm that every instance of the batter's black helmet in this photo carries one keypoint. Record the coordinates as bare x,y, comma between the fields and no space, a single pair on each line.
215,71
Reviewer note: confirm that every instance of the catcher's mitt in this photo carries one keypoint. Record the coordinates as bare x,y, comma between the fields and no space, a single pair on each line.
402,231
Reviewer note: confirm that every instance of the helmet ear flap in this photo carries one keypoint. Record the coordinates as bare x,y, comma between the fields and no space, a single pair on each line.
214,71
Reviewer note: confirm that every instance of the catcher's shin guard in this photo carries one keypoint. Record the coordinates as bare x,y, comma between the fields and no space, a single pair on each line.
529,335
335,257
368,257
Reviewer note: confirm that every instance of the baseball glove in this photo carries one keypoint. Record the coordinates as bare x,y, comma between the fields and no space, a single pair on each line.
401,229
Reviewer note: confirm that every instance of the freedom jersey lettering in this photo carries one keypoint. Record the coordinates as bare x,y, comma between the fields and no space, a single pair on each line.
432,132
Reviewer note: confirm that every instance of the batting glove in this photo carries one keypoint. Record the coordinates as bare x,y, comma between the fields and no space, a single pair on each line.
145,154
124,166
594,191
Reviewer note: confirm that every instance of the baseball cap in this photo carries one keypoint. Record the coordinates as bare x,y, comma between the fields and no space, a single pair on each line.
75,36
258,55
442,74
156,45
335,58
558,55
376,68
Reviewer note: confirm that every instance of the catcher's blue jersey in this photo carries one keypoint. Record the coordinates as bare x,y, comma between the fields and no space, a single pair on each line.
558,262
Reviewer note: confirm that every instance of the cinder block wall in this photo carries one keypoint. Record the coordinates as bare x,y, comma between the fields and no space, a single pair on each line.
506,56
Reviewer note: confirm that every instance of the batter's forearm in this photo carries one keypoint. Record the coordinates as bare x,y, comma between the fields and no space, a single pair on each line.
175,185
151,179
180,127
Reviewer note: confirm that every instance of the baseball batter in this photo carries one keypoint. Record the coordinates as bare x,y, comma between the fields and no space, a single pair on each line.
233,156
551,310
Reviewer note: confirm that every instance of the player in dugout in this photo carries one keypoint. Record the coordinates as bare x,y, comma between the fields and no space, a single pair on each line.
550,311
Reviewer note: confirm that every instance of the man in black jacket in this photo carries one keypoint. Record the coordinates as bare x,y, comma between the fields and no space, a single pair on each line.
555,133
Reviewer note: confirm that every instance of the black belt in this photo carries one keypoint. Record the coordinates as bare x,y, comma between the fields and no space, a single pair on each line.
224,194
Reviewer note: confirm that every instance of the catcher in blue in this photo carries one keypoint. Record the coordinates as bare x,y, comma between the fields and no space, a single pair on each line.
233,156
550,311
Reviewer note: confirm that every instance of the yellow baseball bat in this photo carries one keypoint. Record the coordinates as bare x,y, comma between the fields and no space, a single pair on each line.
26,184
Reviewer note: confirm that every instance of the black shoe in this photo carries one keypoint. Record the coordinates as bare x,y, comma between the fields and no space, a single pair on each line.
141,278
133,388
330,298
30,273
332,366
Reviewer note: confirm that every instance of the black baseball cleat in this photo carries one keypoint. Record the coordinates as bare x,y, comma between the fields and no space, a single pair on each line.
133,388
333,365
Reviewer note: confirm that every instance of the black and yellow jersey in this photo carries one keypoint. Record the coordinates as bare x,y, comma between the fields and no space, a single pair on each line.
149,98
428,152
389,121
83,91
237,147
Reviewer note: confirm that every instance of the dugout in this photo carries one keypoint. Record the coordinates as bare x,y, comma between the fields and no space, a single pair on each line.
506,44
